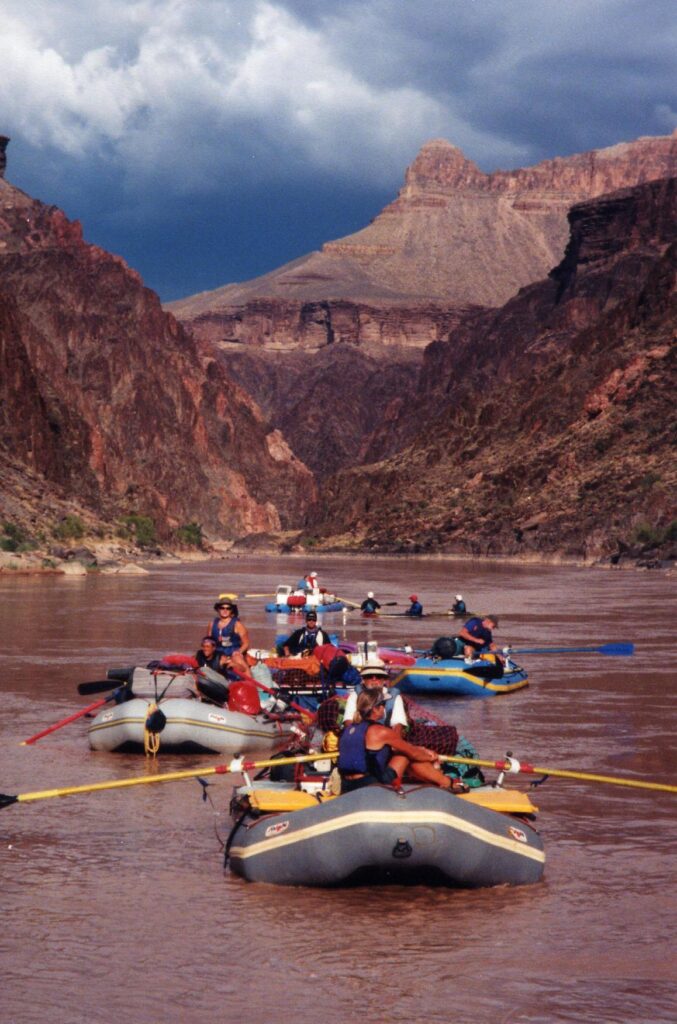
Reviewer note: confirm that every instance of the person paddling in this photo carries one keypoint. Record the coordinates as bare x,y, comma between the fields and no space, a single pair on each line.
459,606
415,609
231,636
370,605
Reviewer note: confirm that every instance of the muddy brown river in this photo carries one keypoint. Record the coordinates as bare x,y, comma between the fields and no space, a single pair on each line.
116,907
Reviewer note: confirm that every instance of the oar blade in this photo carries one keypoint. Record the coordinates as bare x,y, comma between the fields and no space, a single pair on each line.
613,649
97,686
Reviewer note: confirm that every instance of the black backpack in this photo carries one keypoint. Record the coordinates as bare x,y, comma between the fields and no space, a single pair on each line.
444,647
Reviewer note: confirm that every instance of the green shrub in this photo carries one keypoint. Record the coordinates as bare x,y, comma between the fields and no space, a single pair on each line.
190,535
15,538
71,527
644,533
670,534
137,528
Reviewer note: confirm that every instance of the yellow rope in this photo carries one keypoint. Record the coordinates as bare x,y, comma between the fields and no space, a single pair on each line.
151,740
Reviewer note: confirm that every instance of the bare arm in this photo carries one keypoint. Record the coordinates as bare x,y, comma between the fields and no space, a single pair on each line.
379,735
241,631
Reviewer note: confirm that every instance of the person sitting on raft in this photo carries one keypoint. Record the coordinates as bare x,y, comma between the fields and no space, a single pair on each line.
370,605
458,607
415,609
370,752
231,636
305,639
476,635
375,677
208,656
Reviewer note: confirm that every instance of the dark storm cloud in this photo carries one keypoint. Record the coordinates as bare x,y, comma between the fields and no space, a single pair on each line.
281,123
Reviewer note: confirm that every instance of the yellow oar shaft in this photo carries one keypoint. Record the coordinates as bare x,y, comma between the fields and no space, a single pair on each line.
530,769
238,765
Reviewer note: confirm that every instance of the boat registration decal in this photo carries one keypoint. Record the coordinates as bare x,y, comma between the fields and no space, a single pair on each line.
277,828
217,718
517,834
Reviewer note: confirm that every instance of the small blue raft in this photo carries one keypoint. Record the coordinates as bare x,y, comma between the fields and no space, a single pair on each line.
454,677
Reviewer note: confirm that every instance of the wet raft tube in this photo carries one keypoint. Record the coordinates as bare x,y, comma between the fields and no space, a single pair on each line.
423,835
191,726
453,677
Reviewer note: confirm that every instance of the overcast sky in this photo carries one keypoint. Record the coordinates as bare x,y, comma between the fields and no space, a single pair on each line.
208,141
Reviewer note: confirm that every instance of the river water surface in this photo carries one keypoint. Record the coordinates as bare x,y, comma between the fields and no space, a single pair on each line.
115,904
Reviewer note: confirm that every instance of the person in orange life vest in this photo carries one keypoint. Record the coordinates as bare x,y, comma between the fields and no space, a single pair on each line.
231,636
370,752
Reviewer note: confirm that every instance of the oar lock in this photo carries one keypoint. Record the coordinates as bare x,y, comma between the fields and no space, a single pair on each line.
510,765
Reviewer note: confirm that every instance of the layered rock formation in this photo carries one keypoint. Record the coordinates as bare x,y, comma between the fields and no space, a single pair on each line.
107,406
453,241
454,235
546,426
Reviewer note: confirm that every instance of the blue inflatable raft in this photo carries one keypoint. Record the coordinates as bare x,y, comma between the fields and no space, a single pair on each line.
454,677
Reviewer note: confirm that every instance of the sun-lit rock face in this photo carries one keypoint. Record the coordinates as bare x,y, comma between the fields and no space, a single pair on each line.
453,235
105,398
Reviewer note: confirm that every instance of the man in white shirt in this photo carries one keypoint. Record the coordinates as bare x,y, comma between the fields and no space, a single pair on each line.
374,675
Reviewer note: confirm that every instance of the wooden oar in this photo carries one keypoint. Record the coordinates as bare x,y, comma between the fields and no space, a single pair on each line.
514,766
237,765
258,595
71,718
620,649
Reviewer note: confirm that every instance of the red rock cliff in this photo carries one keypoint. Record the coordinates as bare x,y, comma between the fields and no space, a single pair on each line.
548,425
105,396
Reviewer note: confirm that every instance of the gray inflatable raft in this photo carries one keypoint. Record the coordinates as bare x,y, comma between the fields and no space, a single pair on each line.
190,726
421,835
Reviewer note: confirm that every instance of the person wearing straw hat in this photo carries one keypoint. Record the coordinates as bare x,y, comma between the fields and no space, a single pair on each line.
230,634
375,676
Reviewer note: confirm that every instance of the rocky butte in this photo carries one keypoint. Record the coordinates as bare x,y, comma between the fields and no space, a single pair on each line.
331,345
107,406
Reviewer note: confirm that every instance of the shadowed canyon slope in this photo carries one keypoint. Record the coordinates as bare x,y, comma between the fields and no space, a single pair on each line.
108,407
548,425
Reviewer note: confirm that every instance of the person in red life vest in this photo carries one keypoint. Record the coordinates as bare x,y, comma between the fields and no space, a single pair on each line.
231,636
312,584
476,635
335,668
370,752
